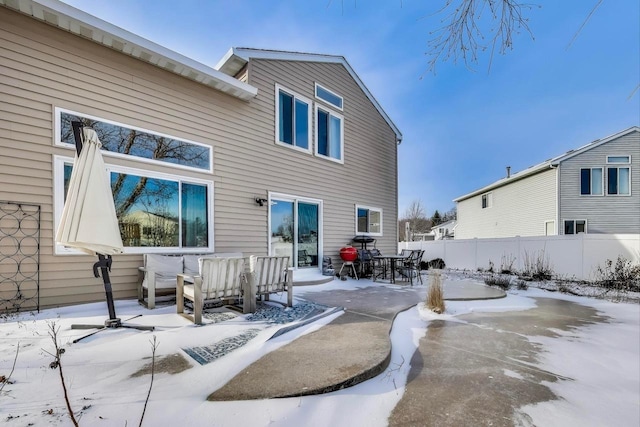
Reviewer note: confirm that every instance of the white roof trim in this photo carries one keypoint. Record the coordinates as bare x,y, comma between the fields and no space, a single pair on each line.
236,58
82,24
548,163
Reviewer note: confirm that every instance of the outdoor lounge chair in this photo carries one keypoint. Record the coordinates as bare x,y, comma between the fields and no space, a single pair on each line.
221,279
160,272
268,275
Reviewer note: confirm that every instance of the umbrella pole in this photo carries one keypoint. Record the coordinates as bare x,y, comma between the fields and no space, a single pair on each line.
104,264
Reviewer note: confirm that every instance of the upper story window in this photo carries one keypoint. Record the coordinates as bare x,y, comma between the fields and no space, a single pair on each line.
368,221
591,182
619,180
328,96
619,159
124,140
293,118
329,135
155,211
487,200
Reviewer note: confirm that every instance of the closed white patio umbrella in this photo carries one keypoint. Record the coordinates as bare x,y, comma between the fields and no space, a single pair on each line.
89,221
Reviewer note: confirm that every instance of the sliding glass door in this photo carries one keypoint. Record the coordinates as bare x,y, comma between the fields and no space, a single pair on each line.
295,230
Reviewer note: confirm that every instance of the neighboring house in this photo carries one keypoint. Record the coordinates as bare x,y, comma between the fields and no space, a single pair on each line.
262,154
592,189
446,230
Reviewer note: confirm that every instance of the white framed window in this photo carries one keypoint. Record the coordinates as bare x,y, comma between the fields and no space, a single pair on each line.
619,180
368,220
329,135
619,159
328,96
591,182
131,142
157,212
293,120
487,200
575,226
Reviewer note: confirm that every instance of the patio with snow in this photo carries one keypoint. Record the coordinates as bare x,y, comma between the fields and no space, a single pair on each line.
533,357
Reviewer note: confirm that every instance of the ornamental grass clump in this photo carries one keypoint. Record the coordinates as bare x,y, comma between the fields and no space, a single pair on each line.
435,295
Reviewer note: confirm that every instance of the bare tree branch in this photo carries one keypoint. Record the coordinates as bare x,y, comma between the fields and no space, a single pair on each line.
461,36
575,36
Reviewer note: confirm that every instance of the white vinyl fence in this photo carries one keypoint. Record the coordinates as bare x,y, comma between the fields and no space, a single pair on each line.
570,256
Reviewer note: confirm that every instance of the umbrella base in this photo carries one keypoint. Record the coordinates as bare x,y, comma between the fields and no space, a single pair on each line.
109,324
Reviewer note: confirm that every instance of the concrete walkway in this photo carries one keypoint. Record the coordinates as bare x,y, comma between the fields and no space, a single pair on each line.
480,372
309,365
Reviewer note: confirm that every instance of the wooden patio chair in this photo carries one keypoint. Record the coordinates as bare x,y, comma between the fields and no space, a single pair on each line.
268,275
221,279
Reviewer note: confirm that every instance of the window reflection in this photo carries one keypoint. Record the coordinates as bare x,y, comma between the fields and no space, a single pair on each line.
155,212
133,142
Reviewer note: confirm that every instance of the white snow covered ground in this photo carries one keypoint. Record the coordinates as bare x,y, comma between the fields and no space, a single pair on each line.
602,359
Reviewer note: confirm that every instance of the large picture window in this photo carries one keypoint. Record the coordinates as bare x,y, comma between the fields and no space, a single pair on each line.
368,221
329,135
124,140
155,211
292,119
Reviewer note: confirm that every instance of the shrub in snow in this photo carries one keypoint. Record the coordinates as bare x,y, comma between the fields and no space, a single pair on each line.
435,296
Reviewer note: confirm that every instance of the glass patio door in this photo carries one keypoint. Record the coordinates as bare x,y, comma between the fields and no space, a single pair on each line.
295,231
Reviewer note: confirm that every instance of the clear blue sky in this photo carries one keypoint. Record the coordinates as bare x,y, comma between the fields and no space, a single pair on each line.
461,128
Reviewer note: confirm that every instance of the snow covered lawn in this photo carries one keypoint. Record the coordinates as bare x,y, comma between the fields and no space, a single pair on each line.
601,359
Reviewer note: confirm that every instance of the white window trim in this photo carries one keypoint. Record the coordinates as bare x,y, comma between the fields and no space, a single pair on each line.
619,163
341,117
58,199
59,143
277,122
586,226
292,198
370,208
618,166
315,92
489,200
602,189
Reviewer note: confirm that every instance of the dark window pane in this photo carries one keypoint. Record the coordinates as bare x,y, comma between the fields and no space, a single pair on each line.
132,142
195,233
363,220
585,181
581,227
286,118
302,124
568,227
323,133
612,180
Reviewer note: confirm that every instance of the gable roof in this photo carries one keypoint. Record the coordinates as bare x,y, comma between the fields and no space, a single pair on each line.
236,58
547,164
75,21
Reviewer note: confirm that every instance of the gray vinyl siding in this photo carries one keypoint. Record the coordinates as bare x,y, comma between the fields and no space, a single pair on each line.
609,214
43,68
519,208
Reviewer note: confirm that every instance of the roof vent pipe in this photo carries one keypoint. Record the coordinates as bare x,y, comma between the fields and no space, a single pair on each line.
508,171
